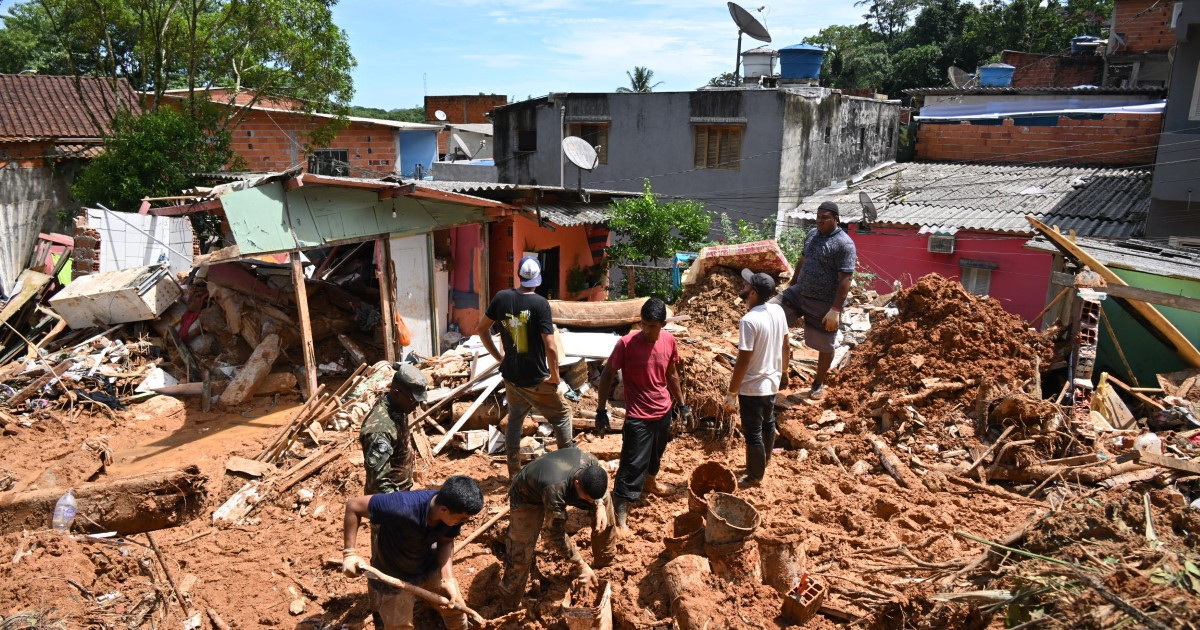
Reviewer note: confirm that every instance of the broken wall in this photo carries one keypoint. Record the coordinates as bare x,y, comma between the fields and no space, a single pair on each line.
126,240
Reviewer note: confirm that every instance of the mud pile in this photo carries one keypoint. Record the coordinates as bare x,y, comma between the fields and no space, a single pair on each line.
942,335
713,302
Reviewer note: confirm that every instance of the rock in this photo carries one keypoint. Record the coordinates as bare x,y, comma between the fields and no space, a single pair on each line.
297,606
860,468
304,496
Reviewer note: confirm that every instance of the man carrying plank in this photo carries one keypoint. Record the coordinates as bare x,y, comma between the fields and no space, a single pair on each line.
413,541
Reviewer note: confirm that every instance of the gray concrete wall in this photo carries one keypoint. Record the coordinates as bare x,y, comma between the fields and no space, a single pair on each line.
829,137
1175,193
784,153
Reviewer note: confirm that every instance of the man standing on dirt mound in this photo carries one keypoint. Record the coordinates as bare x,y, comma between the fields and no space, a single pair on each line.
529,363
647,359
760,369
386,436
545,488
817,293
414,543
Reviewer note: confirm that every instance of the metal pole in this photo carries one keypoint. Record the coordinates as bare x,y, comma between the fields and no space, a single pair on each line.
562,133
737,66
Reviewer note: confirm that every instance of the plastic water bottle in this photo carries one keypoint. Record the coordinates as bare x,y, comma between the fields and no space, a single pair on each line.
64,512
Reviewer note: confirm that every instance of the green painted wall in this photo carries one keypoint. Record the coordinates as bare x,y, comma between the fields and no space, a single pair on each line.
1146,354
265,219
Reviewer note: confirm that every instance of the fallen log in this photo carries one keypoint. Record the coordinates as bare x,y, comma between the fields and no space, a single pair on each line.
893,466
251,376
1088,473
130,505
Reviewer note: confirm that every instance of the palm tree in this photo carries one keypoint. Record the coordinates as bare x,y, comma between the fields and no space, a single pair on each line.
639,80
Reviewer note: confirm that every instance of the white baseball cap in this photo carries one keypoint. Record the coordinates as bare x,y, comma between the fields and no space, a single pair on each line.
530,272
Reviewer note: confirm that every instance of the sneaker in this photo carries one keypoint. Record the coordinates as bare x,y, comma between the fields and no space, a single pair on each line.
817,393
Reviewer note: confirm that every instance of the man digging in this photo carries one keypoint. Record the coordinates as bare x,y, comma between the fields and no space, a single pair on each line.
529,363
544,488
414,543
762,358
647,359
386,436
824,272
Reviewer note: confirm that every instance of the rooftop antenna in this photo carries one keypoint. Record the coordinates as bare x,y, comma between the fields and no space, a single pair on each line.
582,155
868,214
749,25
959,78
440,115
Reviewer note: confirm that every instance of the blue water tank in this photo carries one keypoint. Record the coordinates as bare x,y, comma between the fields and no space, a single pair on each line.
802,61
995,75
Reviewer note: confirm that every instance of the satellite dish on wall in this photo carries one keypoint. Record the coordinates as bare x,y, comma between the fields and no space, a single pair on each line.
580,153
440,115
868,215
749,25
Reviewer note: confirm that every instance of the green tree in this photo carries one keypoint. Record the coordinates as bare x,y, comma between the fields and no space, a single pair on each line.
153,155
889,17
725,79
405,114
647,229
868,66
919,65
839,42
640,80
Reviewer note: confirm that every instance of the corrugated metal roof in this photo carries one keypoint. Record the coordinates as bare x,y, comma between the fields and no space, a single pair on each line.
1138,255
1101,202
571,214
481,128
1083,89
42,106
477,187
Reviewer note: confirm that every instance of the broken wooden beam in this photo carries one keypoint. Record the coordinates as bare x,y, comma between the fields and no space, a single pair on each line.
253,374
894,466
33,388
129,505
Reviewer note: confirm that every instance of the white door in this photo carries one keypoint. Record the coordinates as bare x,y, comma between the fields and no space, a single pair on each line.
410,262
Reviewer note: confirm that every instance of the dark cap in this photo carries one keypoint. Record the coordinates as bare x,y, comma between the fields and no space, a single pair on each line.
762,284
829,206
410,378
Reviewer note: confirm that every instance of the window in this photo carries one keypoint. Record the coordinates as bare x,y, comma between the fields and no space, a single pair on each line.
527,140
718,147
976,275
329,162
596,135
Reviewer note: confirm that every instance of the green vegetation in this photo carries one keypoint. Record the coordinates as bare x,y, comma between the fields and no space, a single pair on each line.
889,52
640,80
404,114
648,231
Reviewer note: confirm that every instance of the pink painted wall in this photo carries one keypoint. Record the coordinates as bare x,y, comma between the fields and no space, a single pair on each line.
1019,281
466,279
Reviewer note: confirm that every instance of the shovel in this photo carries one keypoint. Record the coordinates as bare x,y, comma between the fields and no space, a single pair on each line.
432,598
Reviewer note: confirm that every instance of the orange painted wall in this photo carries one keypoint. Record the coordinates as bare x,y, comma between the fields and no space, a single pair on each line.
574,251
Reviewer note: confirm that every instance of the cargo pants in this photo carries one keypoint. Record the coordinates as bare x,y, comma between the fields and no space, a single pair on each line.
395,607
525,525
543,397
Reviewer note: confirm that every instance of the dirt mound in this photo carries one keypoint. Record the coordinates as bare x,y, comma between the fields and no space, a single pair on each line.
942,335
713,302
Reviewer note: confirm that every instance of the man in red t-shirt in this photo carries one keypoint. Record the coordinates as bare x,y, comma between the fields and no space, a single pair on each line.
647,360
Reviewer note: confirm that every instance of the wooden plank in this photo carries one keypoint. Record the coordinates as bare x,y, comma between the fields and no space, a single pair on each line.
455,393
1182,346
306,337
1135,293
387,283
29,390
1173,463
466,416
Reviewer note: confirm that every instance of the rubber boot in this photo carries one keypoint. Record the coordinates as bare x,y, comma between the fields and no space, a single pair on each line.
621,511
754,466
768,448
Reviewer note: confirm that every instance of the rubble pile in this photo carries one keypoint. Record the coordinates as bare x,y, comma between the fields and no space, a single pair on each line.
712,303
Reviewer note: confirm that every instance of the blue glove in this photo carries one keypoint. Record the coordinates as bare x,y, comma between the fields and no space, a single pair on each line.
601,421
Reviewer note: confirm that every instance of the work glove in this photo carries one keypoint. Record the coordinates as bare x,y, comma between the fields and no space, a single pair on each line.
453,593
731,403
832,320
602,422
351,563
586,575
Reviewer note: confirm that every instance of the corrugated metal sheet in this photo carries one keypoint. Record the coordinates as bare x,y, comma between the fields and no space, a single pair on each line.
572,214
949,91
1134,254
1102,202
20,223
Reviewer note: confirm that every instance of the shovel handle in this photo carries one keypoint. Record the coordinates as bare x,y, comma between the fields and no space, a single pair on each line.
432,598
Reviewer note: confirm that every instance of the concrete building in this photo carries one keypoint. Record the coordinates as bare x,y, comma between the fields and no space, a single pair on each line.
750,152
1175,195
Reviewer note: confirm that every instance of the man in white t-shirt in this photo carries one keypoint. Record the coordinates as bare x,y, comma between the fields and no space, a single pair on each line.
759,372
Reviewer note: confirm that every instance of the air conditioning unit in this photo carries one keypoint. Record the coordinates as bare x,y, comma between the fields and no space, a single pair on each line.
941,244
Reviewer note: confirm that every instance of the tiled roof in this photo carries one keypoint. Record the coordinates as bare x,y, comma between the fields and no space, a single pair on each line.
48,107
1099,202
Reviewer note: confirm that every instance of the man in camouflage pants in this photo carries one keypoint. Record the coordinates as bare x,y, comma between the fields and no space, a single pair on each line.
386,436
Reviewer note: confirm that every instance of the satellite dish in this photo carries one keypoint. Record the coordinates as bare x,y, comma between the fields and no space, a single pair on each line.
959,78
440,115
580,152
749,25
868,215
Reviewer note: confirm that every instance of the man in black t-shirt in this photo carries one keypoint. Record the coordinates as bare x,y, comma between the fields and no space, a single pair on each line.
413,541
529,363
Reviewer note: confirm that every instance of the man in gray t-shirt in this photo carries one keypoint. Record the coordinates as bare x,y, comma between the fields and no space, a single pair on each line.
819,289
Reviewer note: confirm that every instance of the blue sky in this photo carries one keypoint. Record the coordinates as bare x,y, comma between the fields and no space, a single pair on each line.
531,47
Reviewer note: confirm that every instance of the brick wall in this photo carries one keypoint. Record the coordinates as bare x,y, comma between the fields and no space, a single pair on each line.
461,109
268,141
86,255
1144,24
1050,71
25,154
1117,139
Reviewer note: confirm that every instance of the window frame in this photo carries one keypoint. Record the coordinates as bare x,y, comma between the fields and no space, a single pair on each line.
976,276
316,159
701,156
601,135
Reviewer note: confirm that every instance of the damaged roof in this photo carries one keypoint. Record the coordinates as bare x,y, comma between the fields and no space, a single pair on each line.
1094,201
1136,255
1082,89
41,107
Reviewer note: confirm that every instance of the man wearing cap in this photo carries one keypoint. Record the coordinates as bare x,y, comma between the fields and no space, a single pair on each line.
529,362
819,289
762,357
386,435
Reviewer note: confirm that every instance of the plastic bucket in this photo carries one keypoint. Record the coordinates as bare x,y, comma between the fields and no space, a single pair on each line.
687,534
781,553
589,615
705,478
735,561
729,519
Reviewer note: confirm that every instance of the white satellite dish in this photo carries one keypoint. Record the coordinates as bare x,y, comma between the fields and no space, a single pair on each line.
868,214
440,115
581,154
749,25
